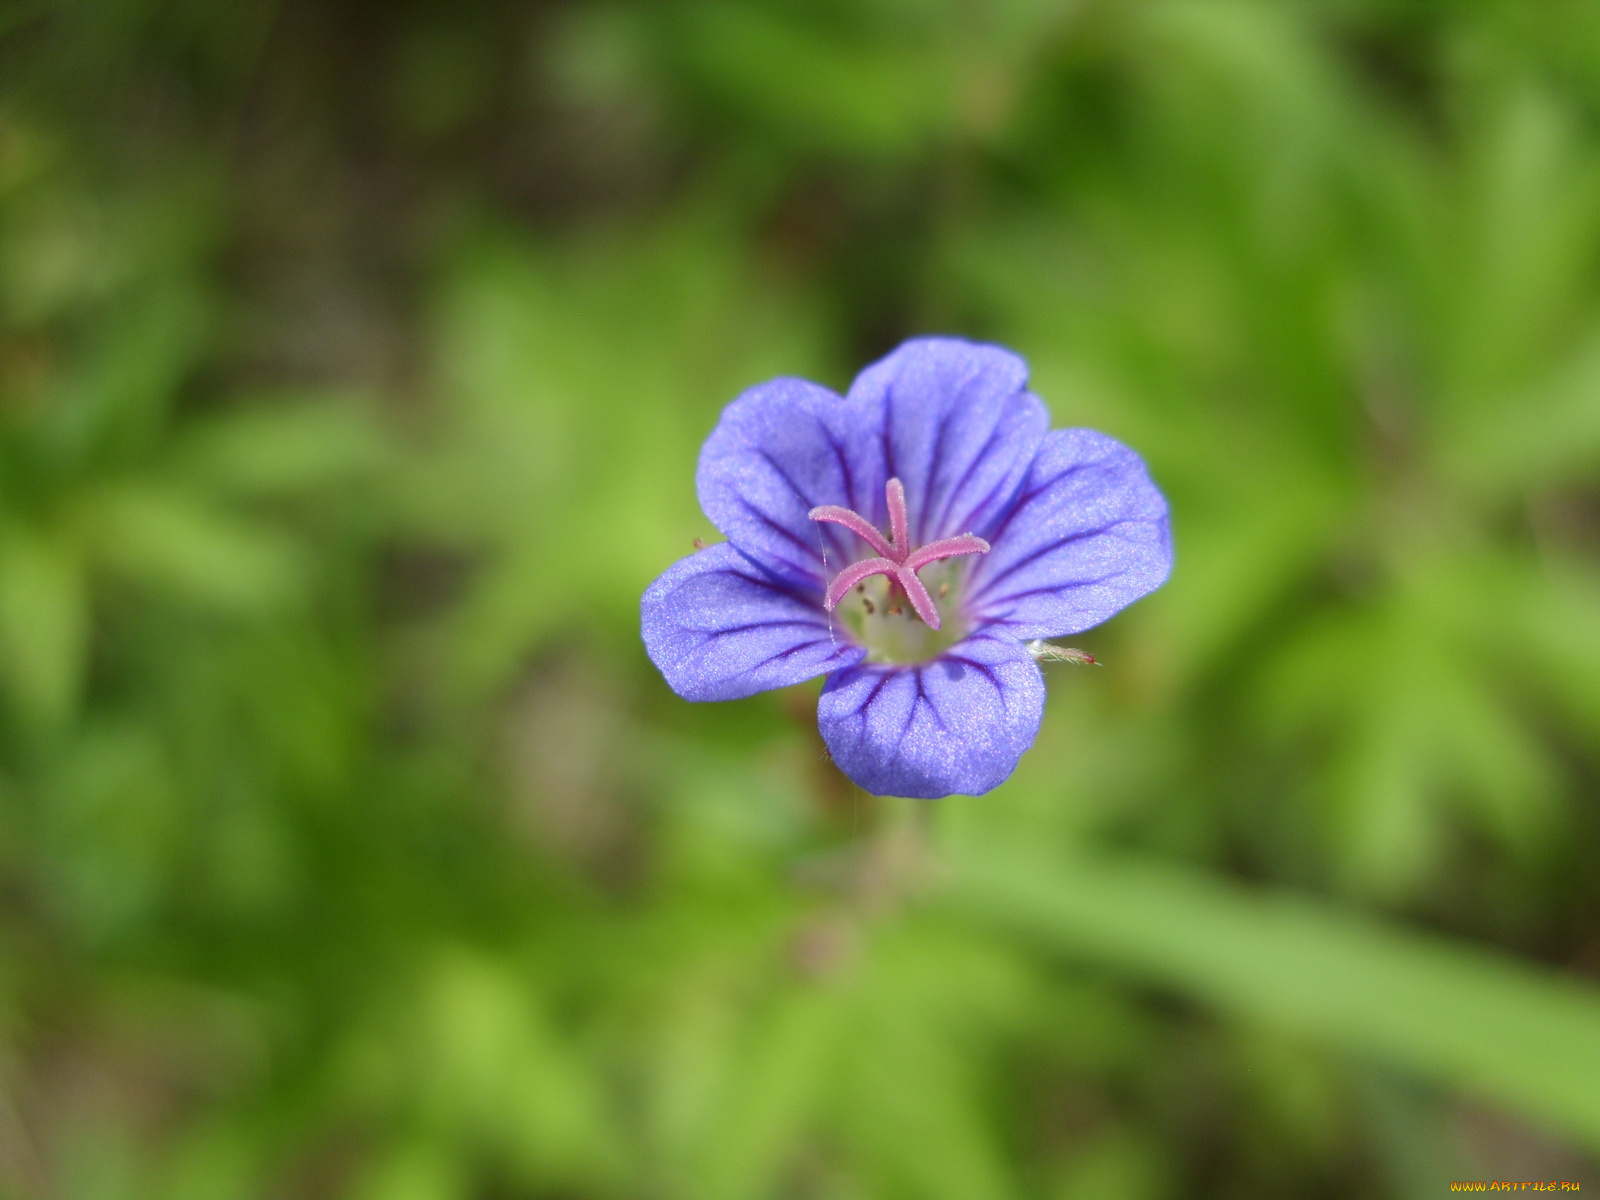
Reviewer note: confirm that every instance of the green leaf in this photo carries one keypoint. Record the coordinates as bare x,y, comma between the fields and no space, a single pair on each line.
772,1102
1497,1028
491,1059
178,543
1543,435
284,445
817,87
414,1170
44,623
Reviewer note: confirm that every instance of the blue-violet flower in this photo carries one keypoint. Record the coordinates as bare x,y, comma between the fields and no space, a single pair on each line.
999,532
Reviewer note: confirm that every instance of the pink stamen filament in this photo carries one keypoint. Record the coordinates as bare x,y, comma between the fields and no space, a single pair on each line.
895,558
895,493
856,524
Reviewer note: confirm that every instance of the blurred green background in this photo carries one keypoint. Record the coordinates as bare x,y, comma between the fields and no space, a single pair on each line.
354,358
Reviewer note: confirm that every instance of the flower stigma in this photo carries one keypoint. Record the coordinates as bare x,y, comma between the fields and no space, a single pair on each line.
887,607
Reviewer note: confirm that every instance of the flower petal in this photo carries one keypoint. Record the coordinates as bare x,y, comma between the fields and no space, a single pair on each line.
957,723
956,425
780,450
1088,536
719,628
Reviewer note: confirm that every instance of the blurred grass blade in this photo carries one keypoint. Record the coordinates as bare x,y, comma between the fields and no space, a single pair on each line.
286,443
1500,1029
186,546
44,624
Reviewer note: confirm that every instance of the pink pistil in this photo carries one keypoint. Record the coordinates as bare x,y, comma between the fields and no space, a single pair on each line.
895,558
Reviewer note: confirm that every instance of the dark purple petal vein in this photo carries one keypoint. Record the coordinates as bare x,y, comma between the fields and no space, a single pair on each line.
956,425
780,450
958,723
1087,536
719,628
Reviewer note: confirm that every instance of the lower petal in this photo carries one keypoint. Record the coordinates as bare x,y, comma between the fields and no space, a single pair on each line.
957,723
720,628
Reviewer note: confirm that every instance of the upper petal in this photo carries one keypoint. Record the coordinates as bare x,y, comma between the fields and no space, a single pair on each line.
719,628
780,450
955,423
957,723
1087,536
